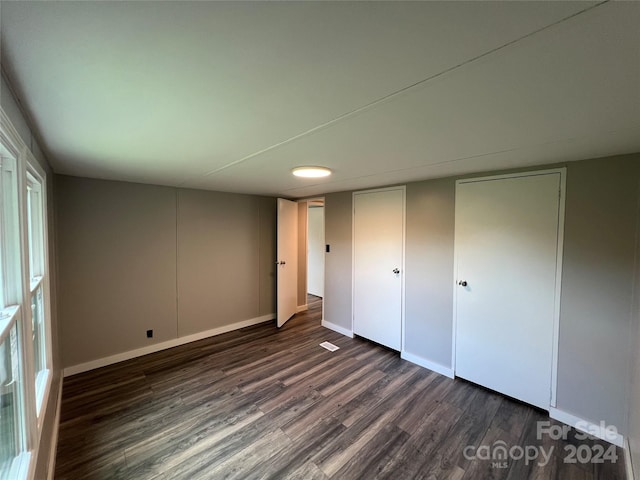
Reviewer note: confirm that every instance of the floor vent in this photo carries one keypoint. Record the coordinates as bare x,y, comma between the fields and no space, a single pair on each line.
329,346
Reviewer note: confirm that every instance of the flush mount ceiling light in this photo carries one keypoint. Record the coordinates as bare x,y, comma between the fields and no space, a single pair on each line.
311,172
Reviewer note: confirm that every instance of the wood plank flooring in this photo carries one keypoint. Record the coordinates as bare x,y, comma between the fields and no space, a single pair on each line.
262,403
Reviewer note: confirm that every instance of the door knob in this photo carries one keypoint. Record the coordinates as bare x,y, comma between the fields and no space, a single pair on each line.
462,283
396,271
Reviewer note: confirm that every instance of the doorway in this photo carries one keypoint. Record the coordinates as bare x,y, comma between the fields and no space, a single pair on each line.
300,258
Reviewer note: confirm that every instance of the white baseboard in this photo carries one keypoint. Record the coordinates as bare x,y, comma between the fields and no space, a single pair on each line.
596,430
302,308
628,465
54,438
121,357
337,328
423,362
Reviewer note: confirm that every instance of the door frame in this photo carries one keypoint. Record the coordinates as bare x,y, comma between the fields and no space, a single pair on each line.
559,256
403,189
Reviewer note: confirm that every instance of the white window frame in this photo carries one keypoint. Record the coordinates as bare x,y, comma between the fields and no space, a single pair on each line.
12,291
20,467
35,173
34,404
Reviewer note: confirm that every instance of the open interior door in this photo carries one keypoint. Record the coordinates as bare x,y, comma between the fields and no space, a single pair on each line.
287,260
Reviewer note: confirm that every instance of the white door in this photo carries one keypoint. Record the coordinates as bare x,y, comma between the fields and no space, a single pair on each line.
287,260
378,219
315,253
506,243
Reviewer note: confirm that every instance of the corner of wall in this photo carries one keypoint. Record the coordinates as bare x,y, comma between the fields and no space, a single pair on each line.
633,412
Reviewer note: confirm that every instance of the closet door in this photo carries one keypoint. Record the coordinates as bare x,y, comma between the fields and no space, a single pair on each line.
378,220
506,244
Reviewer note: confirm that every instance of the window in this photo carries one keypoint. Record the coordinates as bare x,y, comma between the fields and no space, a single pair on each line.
37,281
25,351
13,418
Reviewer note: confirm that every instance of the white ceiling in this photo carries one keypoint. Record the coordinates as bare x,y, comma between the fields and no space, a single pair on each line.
231,96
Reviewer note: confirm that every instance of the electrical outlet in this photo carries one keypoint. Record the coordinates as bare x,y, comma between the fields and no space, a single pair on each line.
149,333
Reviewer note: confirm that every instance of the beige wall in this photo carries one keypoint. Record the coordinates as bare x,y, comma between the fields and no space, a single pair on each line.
117,254
338,261
601,213
267,269
219,274
634,390
138,257
597,288
429,269
11,106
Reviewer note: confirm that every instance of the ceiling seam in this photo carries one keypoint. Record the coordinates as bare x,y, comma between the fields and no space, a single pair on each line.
443,162
394,94
404,169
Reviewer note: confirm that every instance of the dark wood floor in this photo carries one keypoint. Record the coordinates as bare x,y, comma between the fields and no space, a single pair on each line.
263,403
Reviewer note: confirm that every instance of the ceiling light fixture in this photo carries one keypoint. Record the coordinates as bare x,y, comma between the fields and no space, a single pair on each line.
311,172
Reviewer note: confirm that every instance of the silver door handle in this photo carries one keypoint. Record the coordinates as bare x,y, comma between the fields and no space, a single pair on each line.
396,271
462,283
